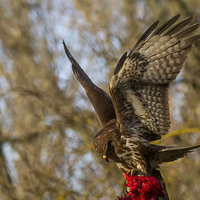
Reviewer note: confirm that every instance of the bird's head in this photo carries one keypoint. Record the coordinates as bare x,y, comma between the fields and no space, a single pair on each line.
103,141
102,144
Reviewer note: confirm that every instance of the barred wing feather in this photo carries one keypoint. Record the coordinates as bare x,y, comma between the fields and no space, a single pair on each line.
139,86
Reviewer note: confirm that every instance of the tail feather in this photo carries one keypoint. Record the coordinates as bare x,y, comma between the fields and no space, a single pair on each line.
168,154
156,173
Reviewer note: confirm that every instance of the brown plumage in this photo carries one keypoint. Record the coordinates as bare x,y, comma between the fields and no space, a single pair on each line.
137,111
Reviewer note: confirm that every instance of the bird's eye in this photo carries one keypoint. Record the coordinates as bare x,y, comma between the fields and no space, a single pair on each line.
105,158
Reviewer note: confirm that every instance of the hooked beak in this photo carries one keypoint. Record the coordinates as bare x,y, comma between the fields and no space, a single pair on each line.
105,158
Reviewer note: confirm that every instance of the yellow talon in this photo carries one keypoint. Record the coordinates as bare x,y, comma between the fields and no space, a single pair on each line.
136,172
131,172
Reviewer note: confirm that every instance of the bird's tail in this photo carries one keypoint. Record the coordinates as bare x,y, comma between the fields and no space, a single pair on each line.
168,154
156,173
171,153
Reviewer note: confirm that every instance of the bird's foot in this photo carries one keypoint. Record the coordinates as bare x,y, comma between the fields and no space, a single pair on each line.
135,172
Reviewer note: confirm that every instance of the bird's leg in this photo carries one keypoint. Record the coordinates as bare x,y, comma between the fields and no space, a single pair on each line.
135,172
131,172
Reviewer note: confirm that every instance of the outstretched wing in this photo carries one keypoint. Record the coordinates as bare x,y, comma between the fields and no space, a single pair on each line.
139,86
100,100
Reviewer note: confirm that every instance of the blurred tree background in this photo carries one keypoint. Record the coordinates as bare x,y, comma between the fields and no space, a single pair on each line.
46,121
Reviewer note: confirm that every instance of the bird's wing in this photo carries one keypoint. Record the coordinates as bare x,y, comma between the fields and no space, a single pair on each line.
100,100
171,153
139,86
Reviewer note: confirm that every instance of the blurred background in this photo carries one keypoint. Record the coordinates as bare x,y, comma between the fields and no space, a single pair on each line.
46,121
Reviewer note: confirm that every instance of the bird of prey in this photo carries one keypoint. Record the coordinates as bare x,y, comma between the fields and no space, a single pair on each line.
137,110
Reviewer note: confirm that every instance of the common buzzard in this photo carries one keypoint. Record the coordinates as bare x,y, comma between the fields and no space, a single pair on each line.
137,112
